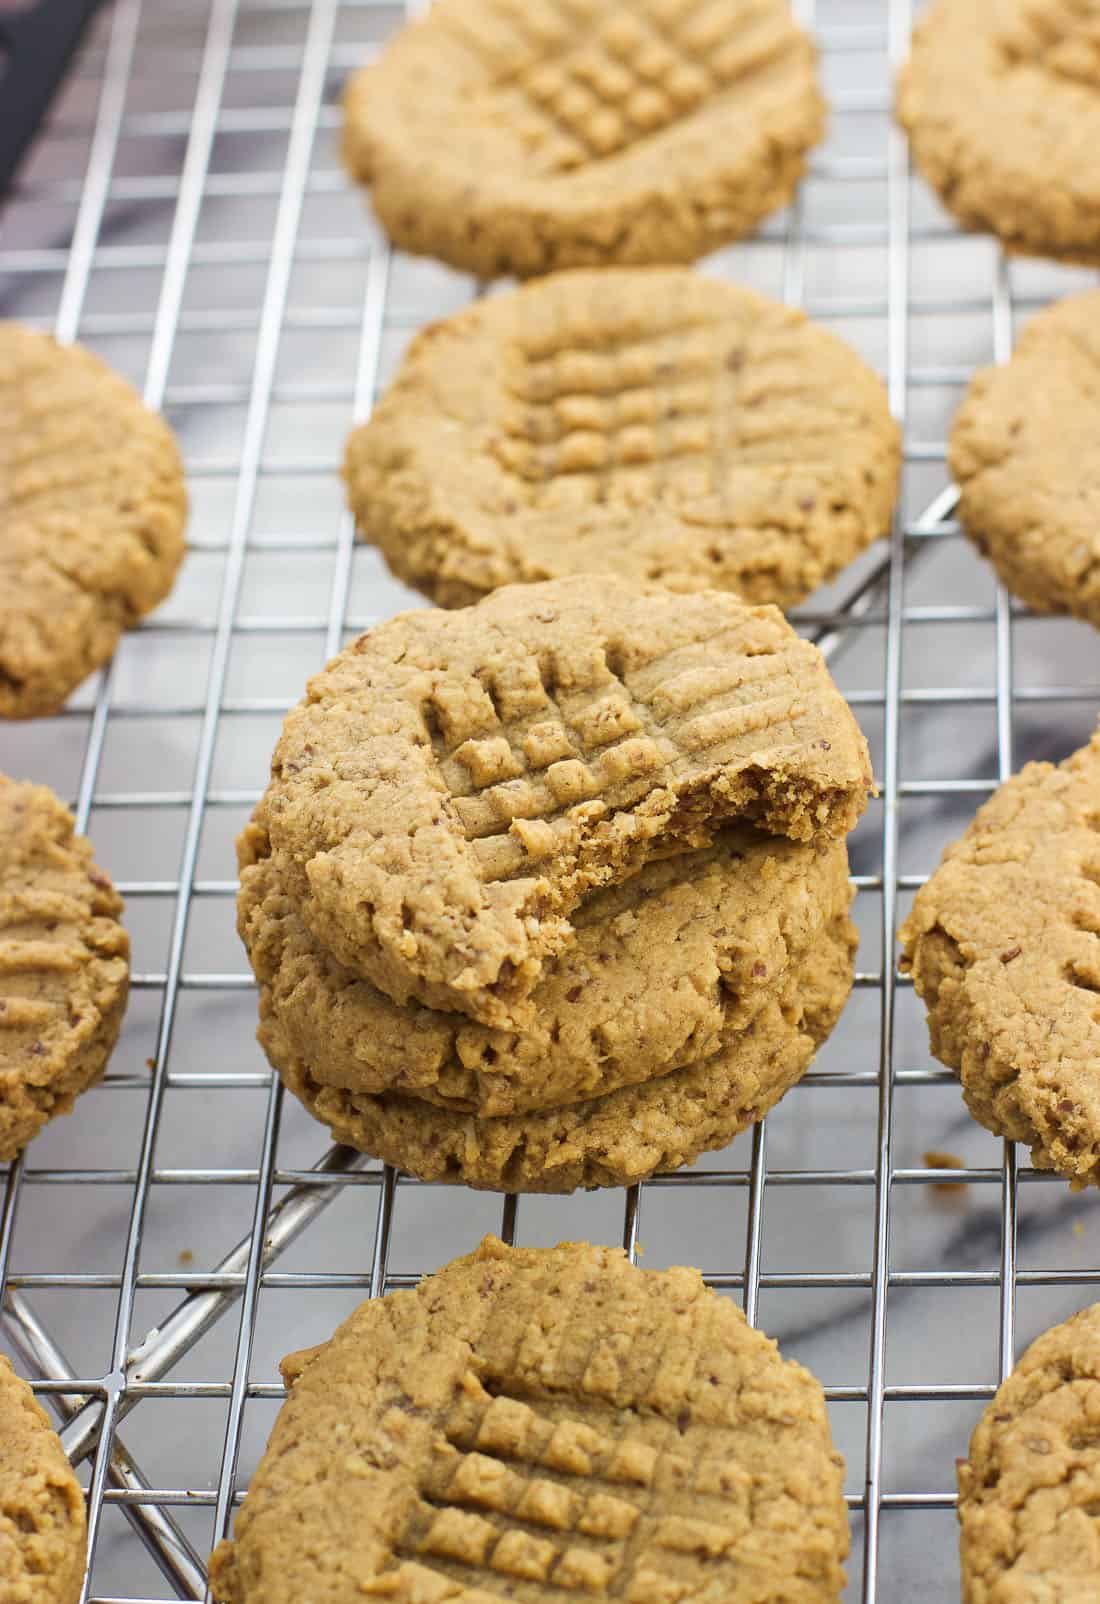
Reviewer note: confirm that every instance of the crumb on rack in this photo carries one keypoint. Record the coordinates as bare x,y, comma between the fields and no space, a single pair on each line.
186,1256
937,1159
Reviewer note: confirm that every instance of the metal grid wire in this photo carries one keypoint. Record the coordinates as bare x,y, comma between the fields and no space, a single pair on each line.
185,214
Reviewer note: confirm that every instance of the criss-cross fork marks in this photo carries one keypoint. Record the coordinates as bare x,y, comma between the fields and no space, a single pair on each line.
38,954
529,742
570,1495
668,416
1060,36
582,82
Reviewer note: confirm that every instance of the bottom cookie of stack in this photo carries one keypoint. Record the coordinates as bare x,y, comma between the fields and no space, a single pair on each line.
613,1140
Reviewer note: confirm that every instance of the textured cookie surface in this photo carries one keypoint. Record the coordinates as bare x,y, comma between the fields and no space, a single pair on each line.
543,1424
64,963
454,784
42,1523
663,970
1021,451
580,133
613,1140
92,506
1000,98
1029,1493
651,423
1004,947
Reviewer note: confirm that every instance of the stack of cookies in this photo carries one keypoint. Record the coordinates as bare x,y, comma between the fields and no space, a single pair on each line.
552,891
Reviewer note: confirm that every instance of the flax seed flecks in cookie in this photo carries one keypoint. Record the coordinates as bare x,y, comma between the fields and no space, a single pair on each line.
64,963
1023,453
1029,1492
517,136
652,423
540,1424
42,1522
455,784
1002,105
92,507
1004,946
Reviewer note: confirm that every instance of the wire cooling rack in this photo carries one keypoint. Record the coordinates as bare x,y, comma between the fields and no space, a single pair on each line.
185,214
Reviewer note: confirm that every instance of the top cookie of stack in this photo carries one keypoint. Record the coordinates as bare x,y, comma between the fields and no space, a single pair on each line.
455,784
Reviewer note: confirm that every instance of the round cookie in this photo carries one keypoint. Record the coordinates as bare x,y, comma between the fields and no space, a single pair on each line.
42,1521
1001,106
1029,1493
93,506
1004,947
1021,451
663,970
536,1423
507,136
650,423
454,784
613,1140
64,963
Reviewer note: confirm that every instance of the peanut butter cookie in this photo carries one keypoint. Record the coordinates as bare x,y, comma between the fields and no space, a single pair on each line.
42,1522
64,963
611,1140
1001,105
543,1424
1029,1494
644,422
1004,946
93,505
507,136
1021,451
456,783
663,970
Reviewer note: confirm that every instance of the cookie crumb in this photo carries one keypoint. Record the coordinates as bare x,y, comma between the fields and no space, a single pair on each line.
186,1257
938,1159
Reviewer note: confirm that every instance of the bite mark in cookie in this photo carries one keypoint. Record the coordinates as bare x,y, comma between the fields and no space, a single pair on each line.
455,784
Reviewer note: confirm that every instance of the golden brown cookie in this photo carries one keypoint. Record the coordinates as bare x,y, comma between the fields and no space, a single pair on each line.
663,970
644,422
1004,946
92,505
613,1140
64,963
542,1424
454,784
42,1522
1022,450
1029,1494
1000,99
517,136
